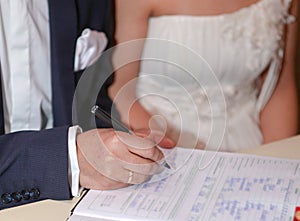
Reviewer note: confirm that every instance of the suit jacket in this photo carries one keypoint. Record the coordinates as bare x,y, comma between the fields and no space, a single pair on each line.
34,164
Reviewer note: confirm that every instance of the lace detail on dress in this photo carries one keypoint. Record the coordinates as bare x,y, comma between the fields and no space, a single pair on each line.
262,27
288,18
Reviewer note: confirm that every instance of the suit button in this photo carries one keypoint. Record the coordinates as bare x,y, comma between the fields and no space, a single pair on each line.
6,198
17,197
25,194
34,193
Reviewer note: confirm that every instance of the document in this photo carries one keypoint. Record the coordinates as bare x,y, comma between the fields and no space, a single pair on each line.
205,185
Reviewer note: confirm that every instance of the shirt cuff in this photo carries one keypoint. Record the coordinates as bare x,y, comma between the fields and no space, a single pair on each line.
73,171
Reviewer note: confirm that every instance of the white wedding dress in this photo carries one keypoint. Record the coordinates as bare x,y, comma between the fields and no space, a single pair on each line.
214,100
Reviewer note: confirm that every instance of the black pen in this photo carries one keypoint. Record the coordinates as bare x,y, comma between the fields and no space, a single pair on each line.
109,120
114,123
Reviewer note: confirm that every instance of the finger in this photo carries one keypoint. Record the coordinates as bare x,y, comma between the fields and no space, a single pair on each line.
142,147
134,177
117,170
101,182
106,183
123,175
146,169
153,154
164,141
158,137
136,161
161,139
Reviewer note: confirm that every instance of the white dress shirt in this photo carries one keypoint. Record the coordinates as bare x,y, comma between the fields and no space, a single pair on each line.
25,64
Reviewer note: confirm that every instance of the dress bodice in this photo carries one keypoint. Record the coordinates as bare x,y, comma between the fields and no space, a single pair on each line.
235,48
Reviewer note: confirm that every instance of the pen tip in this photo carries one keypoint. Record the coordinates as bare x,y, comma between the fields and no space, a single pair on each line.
167,165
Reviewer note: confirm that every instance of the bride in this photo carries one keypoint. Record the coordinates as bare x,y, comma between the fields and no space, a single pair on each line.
210,73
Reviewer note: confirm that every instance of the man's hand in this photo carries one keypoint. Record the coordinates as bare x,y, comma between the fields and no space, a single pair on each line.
110,159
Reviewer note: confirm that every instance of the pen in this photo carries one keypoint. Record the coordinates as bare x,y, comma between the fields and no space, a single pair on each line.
108,119
117,125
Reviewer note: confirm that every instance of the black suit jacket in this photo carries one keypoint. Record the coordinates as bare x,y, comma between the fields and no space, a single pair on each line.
34,164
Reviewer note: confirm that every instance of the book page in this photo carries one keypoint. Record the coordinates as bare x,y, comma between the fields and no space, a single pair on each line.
86,218
229,186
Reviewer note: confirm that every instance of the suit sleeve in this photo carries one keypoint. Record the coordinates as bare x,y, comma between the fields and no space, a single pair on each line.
33,166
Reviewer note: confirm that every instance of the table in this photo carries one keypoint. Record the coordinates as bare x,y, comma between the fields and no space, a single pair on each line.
51,210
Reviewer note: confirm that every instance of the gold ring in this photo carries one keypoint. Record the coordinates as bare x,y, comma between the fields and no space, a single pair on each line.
130,176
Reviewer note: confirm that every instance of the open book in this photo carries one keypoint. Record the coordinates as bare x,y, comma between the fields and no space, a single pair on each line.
205,186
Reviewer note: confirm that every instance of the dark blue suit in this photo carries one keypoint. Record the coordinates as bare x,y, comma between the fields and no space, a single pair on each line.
34,164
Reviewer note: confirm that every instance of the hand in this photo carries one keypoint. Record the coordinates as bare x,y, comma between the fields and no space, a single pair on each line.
111,159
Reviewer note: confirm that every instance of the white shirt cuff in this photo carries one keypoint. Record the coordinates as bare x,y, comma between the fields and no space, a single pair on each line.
73,170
